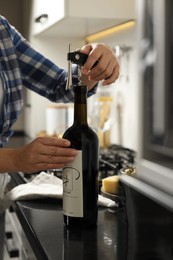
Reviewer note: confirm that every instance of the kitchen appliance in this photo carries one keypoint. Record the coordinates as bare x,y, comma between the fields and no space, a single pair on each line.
155,30
114,158
145,225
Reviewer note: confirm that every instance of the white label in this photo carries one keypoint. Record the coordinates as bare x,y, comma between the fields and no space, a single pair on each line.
73,188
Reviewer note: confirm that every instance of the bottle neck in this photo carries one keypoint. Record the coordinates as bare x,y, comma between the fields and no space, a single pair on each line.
80,105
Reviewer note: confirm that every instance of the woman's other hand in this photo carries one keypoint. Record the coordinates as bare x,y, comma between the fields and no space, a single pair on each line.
41,154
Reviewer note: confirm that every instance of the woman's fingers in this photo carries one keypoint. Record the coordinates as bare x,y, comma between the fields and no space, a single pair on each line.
101,63
45,153
52,141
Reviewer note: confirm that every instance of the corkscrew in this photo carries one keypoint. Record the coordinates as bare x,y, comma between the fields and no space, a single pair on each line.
78,58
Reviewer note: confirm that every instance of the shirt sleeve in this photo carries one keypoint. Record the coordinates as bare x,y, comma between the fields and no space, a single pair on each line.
41,75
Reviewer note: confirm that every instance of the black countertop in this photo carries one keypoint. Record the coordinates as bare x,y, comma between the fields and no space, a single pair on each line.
42,222
141,229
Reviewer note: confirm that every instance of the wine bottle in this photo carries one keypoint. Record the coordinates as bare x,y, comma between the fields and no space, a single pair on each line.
80,178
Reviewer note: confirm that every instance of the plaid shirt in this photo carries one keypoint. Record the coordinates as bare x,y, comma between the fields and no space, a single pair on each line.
21,65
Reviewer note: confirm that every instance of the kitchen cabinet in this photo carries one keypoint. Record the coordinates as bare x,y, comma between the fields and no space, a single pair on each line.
45,14
78,18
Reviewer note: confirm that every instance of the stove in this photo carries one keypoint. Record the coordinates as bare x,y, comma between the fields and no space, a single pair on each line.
114,158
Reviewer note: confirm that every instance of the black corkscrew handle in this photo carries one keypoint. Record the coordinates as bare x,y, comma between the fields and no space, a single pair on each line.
77,57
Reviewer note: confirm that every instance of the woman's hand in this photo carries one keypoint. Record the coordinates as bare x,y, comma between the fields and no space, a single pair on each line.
41,154
106,68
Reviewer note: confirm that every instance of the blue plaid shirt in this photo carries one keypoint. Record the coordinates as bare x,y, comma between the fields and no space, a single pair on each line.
21,65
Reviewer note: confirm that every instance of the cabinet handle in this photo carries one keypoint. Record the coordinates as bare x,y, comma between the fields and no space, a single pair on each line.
42,18
11,247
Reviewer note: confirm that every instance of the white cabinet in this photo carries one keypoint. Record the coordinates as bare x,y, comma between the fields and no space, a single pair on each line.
78,18
45,14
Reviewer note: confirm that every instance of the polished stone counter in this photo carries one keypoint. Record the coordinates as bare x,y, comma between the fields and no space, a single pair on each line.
141,229
42,222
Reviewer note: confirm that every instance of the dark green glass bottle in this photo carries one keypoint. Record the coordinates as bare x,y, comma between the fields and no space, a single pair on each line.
80,178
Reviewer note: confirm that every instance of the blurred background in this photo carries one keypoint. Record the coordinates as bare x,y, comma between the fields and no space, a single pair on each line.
50,26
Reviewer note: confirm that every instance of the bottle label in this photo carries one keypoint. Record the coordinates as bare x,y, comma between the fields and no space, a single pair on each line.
73,188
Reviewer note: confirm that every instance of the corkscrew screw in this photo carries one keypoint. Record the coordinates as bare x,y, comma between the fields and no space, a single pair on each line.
78,58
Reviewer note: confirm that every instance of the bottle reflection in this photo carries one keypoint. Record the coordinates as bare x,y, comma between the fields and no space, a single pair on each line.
108,242
78,245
